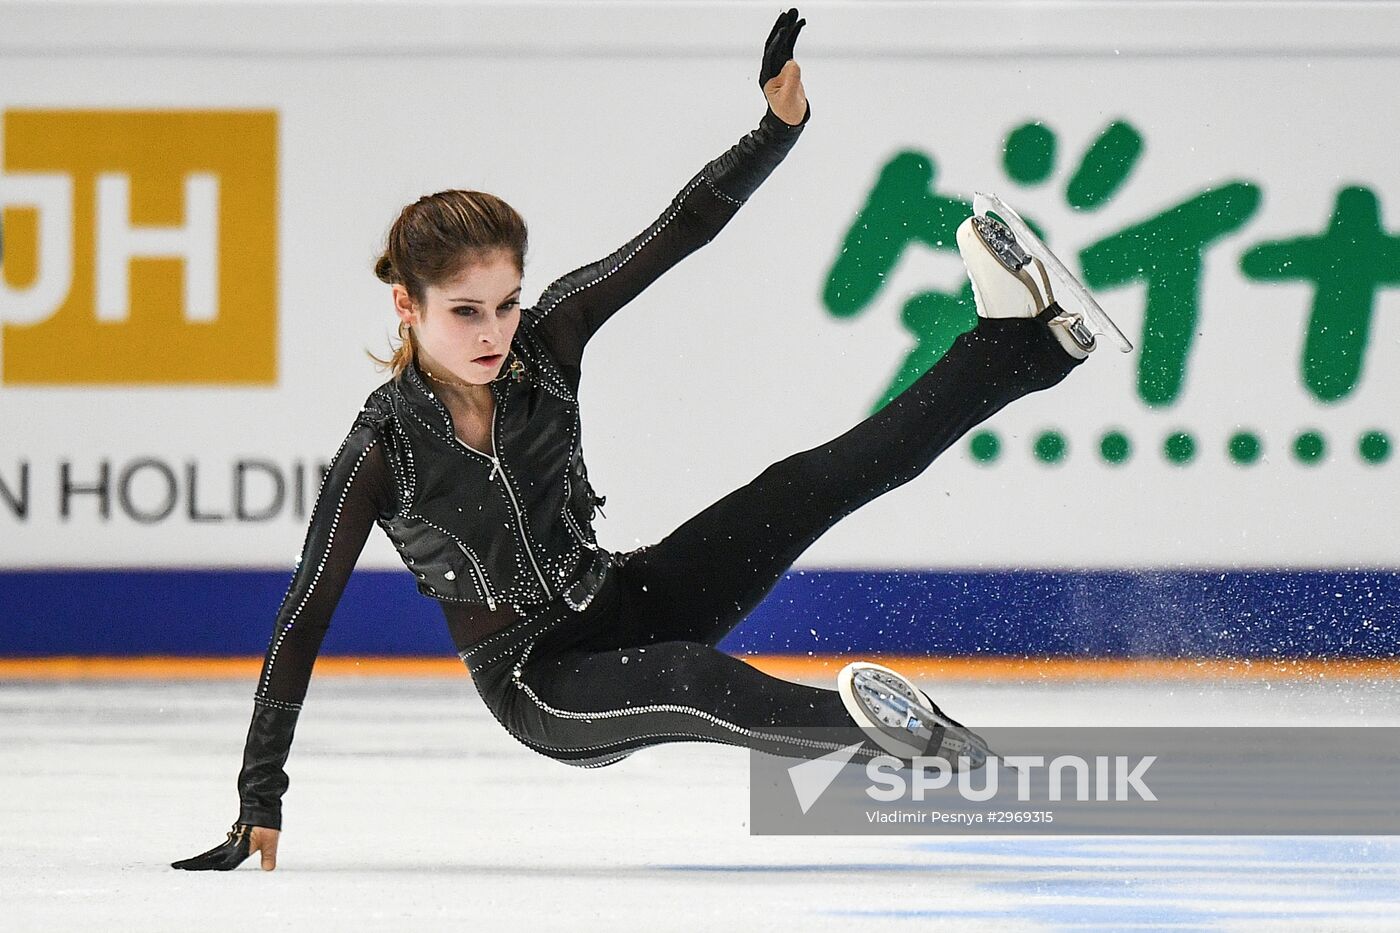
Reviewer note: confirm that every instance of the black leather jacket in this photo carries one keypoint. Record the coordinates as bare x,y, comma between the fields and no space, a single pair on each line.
508,531
510,527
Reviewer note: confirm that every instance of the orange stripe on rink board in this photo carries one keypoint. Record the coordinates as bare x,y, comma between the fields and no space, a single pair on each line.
1047,670
166,668
816,669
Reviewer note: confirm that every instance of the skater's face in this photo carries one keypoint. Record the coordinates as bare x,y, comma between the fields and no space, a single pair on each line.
465,326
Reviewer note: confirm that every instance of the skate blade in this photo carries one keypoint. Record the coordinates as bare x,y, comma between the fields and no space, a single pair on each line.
1095,318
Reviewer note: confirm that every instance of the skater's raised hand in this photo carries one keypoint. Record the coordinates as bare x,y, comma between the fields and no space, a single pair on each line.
242,841
779,76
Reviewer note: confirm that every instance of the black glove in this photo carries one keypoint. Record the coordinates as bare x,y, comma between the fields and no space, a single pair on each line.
225,856
778,49
261,784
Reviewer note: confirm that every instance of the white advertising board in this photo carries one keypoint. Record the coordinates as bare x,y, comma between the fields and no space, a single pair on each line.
194,196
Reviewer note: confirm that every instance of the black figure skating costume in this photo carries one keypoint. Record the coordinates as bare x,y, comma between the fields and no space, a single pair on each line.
583,654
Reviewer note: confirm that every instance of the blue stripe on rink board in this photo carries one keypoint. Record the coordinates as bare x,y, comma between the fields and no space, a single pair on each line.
1155,613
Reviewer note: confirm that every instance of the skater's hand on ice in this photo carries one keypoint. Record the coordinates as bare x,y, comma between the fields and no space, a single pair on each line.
242,841
779,76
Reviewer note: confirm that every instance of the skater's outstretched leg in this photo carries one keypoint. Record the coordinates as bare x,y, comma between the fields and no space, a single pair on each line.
701,580
577,695
578,687
591,706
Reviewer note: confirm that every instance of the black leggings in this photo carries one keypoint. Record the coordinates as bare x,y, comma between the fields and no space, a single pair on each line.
639,666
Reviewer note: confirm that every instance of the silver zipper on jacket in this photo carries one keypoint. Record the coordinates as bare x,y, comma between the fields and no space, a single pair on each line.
519,515
480,576
510,493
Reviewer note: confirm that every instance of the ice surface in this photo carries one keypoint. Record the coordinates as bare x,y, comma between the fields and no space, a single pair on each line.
410,809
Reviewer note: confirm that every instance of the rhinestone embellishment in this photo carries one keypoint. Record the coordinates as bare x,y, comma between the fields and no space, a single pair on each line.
1001,242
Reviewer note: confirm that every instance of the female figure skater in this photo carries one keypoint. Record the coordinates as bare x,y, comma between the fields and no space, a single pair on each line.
469,458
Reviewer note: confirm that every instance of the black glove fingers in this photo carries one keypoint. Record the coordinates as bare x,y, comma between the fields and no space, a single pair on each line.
778,49
785,38
771,65
789,38
766,70
772,33
775,38
792,39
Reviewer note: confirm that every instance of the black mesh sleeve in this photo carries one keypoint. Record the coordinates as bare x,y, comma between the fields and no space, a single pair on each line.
356,489
575,305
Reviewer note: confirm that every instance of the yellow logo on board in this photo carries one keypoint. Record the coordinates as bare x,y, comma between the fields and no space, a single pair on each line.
140,247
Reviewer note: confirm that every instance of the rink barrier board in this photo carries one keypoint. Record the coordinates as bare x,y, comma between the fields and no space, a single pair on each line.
817,669
1192,614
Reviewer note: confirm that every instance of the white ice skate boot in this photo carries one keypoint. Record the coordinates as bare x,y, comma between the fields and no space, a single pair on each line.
901,719
1014,274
